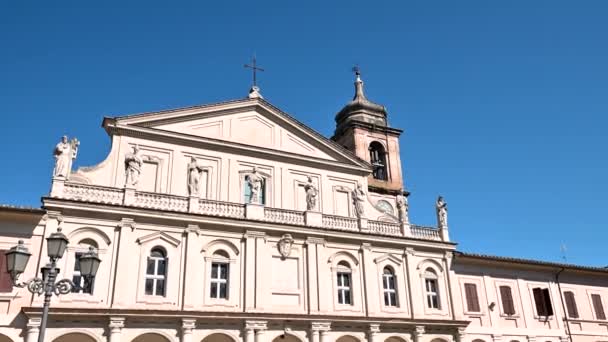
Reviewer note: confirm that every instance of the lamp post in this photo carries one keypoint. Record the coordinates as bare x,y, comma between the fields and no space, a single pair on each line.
18,256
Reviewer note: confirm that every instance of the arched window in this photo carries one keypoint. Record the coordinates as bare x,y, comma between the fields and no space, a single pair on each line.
389,287
377,157
156,272
344,284
219,275
83,247
431,289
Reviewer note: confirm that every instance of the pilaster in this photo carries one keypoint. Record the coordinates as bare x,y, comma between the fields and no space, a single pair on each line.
461,334
255,327
193,204
254,211
124,295
57,186
312,256
255,282
192,277
129,196
371,280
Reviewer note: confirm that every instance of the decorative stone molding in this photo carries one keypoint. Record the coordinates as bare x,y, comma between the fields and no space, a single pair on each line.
320,326
193,228
530,338
496,338
313,218
409,251
374,328
254,234
366,246
127,223
188,324
418,333
116,324
315,241
284,245
256,325
461,334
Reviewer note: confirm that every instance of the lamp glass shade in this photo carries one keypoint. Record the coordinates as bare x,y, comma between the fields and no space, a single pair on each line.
56,244
89,263
16,260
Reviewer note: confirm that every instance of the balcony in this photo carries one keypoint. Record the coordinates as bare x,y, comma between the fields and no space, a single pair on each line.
165,202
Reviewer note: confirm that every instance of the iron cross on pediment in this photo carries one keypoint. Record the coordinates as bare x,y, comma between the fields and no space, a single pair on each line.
254,68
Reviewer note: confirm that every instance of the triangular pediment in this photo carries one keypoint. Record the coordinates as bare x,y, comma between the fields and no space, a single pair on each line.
249,122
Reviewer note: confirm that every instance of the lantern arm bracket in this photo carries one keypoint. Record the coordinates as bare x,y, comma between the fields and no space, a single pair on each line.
34,285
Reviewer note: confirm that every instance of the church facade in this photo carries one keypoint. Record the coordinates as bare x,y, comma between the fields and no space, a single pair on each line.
234,222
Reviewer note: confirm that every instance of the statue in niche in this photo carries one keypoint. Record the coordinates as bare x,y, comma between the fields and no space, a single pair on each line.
442,212
65,152
311,194
255,183
133,163
194,177
402,208
285,245
359,199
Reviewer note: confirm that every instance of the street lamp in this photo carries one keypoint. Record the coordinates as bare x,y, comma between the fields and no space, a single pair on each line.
18,256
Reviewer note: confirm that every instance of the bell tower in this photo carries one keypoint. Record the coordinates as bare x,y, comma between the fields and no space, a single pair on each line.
361,127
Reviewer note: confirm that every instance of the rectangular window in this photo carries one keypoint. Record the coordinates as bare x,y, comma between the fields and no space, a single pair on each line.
596,299
470,292
542,299
432,297
219,280
156,273
6,284
344,289
571,304
77,279
506,298
390,292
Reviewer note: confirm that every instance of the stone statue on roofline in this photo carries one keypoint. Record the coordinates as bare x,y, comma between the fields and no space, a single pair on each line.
133,164
311,194
255,183
194,177
65,152
359,197
402,208
442,212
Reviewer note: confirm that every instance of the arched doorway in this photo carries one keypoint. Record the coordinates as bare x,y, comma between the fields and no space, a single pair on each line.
347,338
394,339
286,338
4,338
218,337
151,337
74,337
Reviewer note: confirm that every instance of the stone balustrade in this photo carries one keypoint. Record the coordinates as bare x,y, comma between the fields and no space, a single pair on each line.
156,201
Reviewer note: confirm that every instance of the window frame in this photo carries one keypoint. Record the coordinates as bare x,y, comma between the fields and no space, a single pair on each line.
387,291
155,277
344,271
515,295
431,277
542,299
577,314
594,308
218,280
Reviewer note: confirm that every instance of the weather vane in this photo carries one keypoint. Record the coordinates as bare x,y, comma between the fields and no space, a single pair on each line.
254,68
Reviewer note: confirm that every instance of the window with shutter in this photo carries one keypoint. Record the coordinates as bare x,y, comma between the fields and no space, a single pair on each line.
598,307
542,299
571,304
506,297
470,291
6,285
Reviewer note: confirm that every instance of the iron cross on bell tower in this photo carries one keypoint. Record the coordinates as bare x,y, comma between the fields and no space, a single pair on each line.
254,92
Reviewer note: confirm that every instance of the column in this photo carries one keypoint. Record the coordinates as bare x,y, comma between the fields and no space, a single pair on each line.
461,334
33,329
188,324
418,333
316,331
319,331
372,334
115,326
255,327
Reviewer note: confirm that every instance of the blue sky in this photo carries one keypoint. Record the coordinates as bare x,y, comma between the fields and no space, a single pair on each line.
504,104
